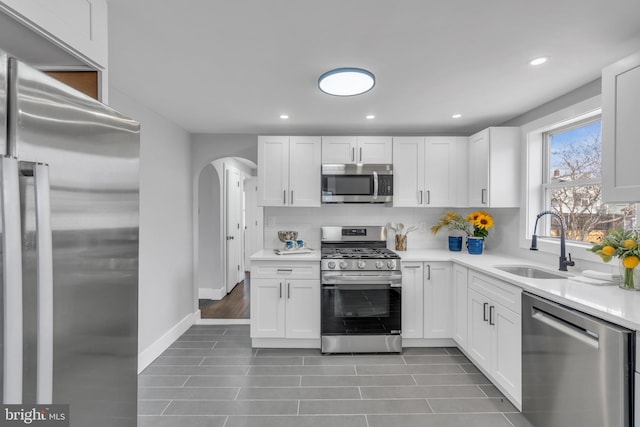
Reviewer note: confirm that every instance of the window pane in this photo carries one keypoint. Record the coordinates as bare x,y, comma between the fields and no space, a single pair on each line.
588,219
575,154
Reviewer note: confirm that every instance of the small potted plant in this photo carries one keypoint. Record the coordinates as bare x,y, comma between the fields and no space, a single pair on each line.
622,244
481,222
401,235
456,224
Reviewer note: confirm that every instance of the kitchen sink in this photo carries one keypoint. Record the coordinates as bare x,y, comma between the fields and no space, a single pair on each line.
529,271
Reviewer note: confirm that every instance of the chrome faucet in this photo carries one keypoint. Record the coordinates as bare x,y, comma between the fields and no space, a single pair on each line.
534,240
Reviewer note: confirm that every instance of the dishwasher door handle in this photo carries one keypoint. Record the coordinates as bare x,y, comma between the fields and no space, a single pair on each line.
585,336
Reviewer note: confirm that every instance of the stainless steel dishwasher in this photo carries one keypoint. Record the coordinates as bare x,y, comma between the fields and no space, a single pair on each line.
577,370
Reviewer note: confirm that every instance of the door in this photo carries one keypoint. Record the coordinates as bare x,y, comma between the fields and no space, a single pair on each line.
479,169
302,316
254,222
234,228
507,345
339,149
460,292
305,171
408,171
273,170
412,300
479,331
441,171
437,300
267,308
374,150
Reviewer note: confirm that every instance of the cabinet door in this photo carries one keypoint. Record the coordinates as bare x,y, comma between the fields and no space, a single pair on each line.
273,170
412,300
479,169
267,308
304,171
374,149
303,309
437,300
620,130
507,350
441,168
460,292
339,149
408,171
479,331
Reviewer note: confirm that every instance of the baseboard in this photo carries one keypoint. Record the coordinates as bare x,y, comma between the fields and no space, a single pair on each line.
208,293
151,353
428,342
200,321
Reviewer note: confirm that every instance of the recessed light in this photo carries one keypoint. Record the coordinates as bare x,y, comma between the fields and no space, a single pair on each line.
371,117
456,116
284,116
346,81
539,61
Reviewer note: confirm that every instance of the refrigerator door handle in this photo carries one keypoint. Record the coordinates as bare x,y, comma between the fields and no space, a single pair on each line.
12,282
44,250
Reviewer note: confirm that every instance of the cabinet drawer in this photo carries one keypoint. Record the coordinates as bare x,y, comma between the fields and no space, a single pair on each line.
501,292
279,269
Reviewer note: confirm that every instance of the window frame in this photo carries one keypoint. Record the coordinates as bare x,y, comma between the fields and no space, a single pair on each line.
533,169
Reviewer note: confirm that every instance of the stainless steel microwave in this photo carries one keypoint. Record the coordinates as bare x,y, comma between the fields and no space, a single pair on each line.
357,183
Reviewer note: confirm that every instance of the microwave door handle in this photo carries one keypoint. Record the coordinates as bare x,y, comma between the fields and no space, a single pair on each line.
375,185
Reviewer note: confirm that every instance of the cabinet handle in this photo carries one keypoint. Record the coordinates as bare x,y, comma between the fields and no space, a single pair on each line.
291,199
428,197
483,196
285,270
281,290
484,311
491,311
428,271
288,290
420,196
353,154
360,154
284,197
412,266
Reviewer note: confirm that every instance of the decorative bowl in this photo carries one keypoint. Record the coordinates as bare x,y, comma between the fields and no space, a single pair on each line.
287,235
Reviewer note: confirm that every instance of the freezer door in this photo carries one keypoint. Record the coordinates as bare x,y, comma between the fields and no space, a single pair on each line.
92,157
3,102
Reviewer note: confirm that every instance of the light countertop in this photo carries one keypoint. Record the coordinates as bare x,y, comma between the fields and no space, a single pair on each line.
295,256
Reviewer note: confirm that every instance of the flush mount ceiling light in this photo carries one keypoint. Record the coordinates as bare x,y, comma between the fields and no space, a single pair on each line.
346,81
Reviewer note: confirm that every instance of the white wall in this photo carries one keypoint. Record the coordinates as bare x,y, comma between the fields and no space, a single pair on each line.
209,273
166,293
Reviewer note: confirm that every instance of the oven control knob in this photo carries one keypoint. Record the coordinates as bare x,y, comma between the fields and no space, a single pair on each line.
379,264
391,265
361,264
331,264
343,264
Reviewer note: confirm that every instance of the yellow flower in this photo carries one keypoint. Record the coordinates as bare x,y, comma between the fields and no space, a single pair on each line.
630,244
631,261
608,250
484,221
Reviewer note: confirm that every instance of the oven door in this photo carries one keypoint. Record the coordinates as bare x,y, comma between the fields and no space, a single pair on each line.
361,305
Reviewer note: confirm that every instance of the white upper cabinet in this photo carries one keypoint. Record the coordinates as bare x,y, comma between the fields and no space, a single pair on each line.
430,171
356,149
289,171
79,24
494,166
620,130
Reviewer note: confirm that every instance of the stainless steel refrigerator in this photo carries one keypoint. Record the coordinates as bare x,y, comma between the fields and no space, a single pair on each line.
69,228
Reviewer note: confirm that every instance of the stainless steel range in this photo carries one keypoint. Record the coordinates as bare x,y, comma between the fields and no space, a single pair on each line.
361,291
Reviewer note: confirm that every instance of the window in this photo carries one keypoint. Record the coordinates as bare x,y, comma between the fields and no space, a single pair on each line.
571,184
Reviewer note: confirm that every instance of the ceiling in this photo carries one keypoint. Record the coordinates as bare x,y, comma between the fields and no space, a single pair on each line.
215,66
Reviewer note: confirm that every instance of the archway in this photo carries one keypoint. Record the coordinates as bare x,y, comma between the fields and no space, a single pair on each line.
222,235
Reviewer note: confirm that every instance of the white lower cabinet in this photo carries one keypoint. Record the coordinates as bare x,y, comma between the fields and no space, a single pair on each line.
494,333
460,296
426,300
285,300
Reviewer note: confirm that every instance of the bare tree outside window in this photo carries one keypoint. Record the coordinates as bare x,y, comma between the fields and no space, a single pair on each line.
573,186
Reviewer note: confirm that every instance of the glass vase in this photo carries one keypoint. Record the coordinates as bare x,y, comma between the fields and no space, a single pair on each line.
401,242
629,278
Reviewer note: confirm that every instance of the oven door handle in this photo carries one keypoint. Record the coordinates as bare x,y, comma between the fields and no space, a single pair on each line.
345,280
353,287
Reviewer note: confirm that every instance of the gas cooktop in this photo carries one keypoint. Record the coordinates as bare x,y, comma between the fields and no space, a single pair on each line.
358,253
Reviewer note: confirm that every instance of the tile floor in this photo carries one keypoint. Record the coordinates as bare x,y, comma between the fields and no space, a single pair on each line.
211,377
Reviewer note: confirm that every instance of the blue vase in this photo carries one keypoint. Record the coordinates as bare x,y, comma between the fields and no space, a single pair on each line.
474,245
455,243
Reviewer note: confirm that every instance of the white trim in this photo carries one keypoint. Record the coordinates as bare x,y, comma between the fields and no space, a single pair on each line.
428,342
285,343
151,353
200,321
208,293
532,170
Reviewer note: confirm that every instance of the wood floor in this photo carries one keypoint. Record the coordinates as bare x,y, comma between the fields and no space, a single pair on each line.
233,306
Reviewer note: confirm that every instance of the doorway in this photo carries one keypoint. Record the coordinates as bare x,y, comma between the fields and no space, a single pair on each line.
229,230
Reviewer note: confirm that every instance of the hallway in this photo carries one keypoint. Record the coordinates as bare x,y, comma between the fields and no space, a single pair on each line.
234,305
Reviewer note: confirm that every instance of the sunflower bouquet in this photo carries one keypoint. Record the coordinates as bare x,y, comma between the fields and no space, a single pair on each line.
481,222
453,221
622,244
